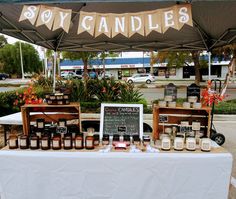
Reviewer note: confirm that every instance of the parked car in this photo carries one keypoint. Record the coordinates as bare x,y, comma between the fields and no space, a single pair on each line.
3,76
70,75
107,75
148,78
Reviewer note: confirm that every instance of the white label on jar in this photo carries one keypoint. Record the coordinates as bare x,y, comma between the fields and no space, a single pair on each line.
78,143
105,142
89,143
44,143
55,143
96,142
12,143
23,142
40,125
178,145
190,145
67,143
165,145
196,126
33,143
206,146
62,124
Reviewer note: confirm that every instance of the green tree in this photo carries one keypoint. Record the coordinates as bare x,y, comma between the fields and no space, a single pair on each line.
179,59
3,41
10,57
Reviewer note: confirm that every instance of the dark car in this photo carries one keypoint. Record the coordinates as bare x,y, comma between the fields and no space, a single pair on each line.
3,76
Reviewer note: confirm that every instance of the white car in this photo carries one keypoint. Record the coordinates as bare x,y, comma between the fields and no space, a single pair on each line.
70,75
148,78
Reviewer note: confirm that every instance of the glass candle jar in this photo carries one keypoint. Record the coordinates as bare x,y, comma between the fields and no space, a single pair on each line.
34,142
127,139
165,144
50,102
45,142
79,141
136,140
115,139
67,102
52,97
205,144
105,139
60,102
89,142
196,126
13,142
96,139
56,142
24,142
191,144
67,142
66,96
62,122
179,144
40,123
47,96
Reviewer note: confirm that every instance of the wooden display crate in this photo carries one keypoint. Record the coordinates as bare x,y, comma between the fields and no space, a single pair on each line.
50,113
178,114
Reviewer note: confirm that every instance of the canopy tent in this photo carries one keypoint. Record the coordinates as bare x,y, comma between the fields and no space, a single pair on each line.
214,25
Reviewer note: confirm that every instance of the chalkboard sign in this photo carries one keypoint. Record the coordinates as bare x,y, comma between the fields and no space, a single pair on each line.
123,119
163,118
171,90
193,90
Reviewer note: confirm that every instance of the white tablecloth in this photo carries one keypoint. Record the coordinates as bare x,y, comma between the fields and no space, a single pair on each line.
94,175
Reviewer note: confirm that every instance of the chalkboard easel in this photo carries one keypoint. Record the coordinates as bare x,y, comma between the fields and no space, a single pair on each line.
123,119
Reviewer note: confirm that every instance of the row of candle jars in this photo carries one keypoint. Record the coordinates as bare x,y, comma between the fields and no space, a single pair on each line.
179,145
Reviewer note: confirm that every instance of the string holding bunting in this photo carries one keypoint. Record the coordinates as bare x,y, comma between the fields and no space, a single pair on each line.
111,24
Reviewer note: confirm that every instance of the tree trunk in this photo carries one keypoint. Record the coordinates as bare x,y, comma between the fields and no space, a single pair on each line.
85,69
198,76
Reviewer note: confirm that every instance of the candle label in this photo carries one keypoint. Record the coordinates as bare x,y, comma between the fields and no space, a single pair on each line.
106,142
196,126
12,143
179,145
23,142
89,143
55,143
191,145
78,143
40,125
33,143
67,143
165,145
44,143
62,124
96,142
206,146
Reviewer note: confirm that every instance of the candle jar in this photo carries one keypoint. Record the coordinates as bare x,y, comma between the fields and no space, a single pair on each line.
205,144
62,122
115,139
60,102
40,124
59,97
47,96
13,142
67,102
45,142
127,139
146,140
24,142
34,142
186,104
73,130
196,126
96,139
168,98
165,144
105,139
52,97
50,102
89,142
66,97
56,142
162,104
191,144
79,141
136,140
179,144
67,142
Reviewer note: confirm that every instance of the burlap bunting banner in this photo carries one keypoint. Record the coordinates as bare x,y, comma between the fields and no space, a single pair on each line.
110,24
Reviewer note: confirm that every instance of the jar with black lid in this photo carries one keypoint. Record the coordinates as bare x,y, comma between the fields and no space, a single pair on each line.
73,130
34,142
79,141
96,139
127,139
136,140
67,141
115,139
105,139
56,141
24,142
89,142
146,140
40,123
13,141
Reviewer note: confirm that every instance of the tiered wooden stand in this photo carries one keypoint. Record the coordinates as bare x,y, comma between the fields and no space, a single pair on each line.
50,113
178,114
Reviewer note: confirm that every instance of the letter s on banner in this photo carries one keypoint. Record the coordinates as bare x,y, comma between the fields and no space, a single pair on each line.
184,15
86,22
30,13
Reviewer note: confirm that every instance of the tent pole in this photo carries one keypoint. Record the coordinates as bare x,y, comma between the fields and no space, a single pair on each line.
54,71
21,62
209,65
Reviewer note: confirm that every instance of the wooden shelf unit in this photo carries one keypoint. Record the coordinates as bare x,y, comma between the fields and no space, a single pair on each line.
178,114
50,113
